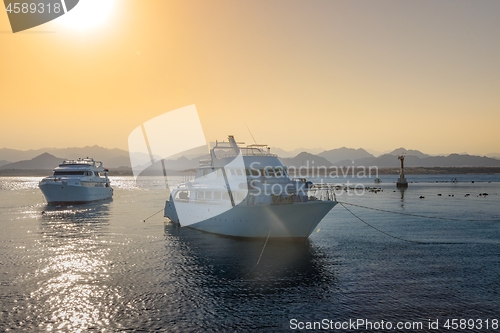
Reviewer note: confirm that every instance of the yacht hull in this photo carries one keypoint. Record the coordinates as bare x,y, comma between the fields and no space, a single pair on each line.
61,194
297,220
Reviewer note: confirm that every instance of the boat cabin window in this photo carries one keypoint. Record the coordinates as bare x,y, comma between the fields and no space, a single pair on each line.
69,173
252,172
183,195
204,195
236,172
279,172
269,172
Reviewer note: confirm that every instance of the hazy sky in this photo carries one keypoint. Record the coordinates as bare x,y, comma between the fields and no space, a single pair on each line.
318,73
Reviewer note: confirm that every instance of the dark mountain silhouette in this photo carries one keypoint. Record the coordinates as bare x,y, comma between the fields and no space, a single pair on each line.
340,154
292,153
306,159
115,162
117,158
412,152
191,153
41,162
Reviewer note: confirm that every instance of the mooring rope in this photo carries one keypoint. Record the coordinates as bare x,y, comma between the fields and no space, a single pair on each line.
381,231
416,215
392,236
152,215
262,252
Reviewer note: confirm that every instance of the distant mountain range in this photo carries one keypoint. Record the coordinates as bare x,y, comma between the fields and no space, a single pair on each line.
47,159
341,154
113,158
292,153
44,161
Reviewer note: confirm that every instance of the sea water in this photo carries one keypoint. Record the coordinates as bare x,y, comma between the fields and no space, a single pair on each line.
423,256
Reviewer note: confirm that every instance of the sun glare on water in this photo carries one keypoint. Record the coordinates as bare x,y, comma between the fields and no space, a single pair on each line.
88,14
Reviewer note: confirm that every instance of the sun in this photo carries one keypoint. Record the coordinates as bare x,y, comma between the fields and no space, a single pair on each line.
88,14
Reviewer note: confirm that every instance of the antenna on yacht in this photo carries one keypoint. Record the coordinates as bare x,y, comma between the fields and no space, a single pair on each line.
250,133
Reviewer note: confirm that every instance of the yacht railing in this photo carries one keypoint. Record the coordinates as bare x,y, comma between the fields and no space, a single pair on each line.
322,192
80,161
247,153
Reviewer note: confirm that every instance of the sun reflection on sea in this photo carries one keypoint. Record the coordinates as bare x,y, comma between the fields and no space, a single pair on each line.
72,293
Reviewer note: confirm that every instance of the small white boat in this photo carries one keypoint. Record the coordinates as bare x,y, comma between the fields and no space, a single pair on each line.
247,192
77,181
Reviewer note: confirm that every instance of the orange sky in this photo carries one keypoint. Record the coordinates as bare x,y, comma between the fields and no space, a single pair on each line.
320,73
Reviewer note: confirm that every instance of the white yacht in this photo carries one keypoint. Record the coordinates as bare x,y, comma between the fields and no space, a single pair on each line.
247,192
77,181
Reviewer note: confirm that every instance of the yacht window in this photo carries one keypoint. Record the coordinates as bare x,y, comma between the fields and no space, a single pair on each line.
238,171
200,195
217,195
278,172
269,172
247,172
255,172
225,195
219,172
69,173
232,172
208,195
